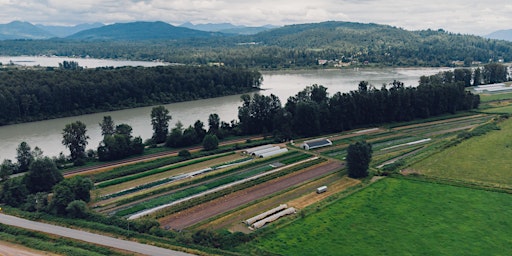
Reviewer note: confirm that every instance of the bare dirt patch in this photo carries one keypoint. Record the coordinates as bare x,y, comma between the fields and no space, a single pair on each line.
8,249
212,208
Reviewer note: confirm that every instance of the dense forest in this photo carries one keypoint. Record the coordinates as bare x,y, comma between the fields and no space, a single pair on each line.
294,46
27,95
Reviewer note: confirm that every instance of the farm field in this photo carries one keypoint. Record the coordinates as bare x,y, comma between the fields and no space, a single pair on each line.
398,217
229,202
480,159
298,197
397,142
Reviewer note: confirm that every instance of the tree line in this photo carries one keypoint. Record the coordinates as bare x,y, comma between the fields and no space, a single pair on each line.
28,95
312,112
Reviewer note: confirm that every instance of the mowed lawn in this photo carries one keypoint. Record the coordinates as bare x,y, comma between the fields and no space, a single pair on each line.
400,217
486,158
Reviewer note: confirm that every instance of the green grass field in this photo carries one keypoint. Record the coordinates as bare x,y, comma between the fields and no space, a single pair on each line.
484,158
399,217
495,96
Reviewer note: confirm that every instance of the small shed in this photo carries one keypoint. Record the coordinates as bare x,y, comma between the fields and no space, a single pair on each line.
317,143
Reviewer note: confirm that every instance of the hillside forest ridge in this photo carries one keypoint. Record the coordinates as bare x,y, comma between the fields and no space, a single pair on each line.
314,45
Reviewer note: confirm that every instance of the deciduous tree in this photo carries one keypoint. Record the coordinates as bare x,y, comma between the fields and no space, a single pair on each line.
358,159
74,137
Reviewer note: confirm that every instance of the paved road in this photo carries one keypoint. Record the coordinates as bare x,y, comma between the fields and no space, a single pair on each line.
89,237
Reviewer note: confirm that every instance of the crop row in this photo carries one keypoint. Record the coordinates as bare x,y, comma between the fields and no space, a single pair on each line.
207,177
158,170
211,196
192,191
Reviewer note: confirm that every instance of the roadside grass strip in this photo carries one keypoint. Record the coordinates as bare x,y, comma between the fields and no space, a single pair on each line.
205,190
49,243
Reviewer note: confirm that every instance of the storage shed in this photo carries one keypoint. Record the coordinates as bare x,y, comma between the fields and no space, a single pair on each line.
317,143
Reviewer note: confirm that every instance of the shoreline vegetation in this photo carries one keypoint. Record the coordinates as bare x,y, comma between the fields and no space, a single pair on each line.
32,95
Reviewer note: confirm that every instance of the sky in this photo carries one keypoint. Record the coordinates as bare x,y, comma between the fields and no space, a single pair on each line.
479,17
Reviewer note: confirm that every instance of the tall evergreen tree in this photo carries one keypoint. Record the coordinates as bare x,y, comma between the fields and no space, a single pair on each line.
24,156
160,121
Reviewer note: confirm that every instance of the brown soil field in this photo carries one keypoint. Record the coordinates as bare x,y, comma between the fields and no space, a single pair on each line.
229,202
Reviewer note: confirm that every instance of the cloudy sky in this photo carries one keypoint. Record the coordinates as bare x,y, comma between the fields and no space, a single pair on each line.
460,16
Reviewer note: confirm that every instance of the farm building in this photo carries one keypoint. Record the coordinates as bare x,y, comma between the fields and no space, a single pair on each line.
249,151
265,150
317,143
273,153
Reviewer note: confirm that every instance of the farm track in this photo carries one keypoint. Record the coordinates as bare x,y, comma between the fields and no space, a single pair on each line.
209,209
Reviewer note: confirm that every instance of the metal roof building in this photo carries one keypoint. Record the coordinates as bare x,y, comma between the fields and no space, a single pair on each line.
317,143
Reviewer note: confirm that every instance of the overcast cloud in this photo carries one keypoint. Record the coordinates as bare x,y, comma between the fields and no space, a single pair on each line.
459,16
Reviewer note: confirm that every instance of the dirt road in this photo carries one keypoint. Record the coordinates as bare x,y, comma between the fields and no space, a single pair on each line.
209,209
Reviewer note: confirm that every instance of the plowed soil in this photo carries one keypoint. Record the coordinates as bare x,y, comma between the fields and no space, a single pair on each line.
212,208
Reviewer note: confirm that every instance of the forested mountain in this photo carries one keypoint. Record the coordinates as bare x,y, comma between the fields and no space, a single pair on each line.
501,35
227,28
22,30
64,31
294,46
140,31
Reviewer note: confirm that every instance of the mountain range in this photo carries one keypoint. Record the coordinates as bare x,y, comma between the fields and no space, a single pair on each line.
150,31
123,31
501,35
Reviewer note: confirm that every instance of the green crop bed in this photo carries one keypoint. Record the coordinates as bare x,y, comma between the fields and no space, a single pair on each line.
398,217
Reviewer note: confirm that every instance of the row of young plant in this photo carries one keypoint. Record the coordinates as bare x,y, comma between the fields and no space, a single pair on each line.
208,197
192,191
157,171
207,177
202,187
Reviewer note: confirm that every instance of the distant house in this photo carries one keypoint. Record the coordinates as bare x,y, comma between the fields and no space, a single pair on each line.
322,62
317,143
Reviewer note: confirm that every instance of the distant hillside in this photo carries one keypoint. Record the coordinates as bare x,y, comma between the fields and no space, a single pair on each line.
331,43
22,30
64,31
227,28
501,35
140,31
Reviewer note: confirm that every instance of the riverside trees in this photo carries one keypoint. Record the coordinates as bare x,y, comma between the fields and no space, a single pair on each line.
28,95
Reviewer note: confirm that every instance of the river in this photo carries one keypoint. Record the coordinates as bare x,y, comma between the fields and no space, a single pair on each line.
47,134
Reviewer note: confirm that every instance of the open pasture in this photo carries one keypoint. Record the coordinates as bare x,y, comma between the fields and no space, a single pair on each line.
398,217
481,159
